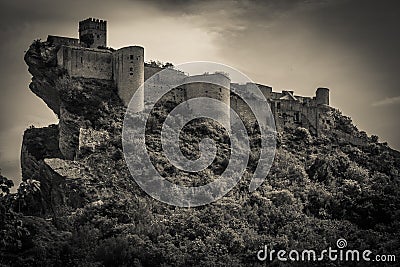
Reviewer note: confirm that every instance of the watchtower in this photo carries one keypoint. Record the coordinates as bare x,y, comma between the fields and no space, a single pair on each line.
93,33
128,72
216,86
322,96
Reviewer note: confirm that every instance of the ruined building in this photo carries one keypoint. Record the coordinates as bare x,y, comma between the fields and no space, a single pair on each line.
88,57
125,70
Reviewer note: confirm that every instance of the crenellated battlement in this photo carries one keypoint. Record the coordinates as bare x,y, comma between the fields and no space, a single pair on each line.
93,33
92,23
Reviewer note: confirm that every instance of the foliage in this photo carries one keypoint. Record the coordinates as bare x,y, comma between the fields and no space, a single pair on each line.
159,64
5,185
312,196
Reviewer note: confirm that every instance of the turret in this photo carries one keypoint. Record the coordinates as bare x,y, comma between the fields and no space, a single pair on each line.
93,33
128,72
216,86
322,96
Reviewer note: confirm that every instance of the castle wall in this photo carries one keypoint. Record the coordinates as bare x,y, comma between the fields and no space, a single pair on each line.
60,40
265,90
242,109
294,113
161,82
316,118
150,71
86,63
128,68
219,91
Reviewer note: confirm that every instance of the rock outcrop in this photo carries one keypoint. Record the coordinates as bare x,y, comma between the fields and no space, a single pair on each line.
83,106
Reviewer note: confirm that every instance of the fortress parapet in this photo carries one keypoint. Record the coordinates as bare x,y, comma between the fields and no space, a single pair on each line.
60,40
86,63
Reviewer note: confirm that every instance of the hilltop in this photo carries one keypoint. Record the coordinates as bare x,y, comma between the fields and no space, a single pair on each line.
88,211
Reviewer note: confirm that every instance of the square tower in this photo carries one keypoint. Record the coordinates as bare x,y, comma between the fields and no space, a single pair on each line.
93,33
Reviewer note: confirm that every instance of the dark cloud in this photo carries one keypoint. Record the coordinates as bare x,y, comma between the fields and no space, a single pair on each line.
370,27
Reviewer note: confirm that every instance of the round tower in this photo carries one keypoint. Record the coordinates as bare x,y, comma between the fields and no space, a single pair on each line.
216,86
128,74
322,96
93,33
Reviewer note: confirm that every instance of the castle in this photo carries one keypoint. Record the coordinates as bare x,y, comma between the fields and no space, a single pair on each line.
89,57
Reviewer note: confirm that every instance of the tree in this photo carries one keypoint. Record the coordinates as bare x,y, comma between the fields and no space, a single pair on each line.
168,65
374,138
27,189
5,185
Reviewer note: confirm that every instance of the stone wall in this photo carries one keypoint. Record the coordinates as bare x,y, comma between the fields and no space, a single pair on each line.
150,71
86,63
163,82
216,86
60,40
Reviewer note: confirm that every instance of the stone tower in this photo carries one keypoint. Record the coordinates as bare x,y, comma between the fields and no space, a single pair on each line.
93,33
216,86
322,96
128,74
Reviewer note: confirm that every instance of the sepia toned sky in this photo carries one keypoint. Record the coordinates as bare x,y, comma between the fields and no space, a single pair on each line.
352,47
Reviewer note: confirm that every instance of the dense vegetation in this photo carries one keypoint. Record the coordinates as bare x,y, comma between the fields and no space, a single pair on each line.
316,192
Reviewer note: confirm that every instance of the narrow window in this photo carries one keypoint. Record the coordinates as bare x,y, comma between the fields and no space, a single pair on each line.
130,69
81,60
278,105
131,57
220,90
98,36
297,117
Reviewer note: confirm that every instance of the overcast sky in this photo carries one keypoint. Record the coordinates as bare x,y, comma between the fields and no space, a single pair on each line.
352,47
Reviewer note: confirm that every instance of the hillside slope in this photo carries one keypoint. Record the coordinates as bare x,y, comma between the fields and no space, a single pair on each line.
90,212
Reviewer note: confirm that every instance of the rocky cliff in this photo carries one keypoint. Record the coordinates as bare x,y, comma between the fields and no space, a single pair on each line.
85,108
